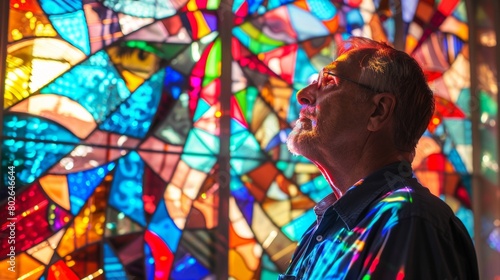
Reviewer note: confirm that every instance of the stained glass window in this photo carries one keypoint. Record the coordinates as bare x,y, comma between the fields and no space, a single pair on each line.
112,123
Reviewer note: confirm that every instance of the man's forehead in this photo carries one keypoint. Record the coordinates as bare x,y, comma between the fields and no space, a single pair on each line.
338,62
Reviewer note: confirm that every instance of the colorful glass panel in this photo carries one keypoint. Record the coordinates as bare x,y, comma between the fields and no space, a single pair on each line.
112,125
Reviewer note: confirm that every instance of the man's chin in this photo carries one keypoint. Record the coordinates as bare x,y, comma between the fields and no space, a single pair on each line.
294,146
301,141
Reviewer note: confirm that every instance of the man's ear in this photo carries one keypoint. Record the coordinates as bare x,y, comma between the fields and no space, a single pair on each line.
383,111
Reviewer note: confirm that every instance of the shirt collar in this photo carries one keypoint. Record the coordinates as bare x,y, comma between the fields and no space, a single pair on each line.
359,197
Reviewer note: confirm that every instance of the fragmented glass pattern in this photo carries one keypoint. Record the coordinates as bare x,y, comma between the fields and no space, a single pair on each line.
486,105
111,121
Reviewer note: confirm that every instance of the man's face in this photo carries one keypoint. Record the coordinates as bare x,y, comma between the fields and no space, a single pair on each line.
334,115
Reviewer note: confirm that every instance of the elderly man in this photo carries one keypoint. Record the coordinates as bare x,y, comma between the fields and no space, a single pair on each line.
360,122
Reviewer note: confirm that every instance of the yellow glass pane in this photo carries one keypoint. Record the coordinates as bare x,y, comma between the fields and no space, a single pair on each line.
45,250
56,187
454,26
268,130
88,226
278,211
237,268
132,81
178,205
31,64
24,267
274,242
250,253
24,24
67,244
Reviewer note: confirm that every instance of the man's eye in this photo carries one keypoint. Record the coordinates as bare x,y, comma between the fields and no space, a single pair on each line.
330,79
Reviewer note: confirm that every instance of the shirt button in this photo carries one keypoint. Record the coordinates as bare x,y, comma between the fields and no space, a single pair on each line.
319,238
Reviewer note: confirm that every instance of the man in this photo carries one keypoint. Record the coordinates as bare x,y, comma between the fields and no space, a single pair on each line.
360,122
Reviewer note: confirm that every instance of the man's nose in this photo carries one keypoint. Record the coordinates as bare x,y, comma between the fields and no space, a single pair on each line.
307,95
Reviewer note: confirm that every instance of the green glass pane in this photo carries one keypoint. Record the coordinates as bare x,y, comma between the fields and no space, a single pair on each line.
201,109
487,104
243,166
198,162
213,66
459,131
202,142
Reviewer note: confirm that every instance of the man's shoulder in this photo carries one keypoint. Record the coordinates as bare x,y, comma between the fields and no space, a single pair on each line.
414,201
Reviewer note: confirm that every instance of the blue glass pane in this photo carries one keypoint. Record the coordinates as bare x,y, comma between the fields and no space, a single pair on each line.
457,162
72,27
316,189
29,156
34,128
269,269
296,228
199,162
390,28
271,4
304,74
409,7
174,82
278,139
144,8
494,239
244,144
82,184
202,142
244,200
54,7
460,130
323,10
244,165
354,20
236,126
31,159
467,217
268,274
447,146
113,269
94,83
164,227
313,28
463,101
293,110
452,45
252,5
287,168
188,268
149,262
133,117
201,108
126,190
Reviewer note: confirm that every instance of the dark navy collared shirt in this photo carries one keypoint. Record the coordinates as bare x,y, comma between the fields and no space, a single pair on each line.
386,226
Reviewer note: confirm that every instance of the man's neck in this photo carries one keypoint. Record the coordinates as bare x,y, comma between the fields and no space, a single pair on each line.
345,174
